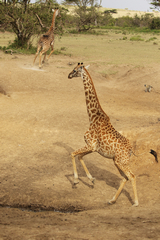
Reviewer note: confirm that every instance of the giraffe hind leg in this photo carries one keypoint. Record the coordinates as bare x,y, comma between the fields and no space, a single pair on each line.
40,56
81,152
113,200
51,51
38,49
44,57
128,175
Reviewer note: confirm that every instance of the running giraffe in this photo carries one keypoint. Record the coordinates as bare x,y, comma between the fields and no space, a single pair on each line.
101,137
47,40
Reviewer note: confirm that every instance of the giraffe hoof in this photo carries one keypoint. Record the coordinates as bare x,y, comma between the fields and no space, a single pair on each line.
93,180
111,202
135,204
76,181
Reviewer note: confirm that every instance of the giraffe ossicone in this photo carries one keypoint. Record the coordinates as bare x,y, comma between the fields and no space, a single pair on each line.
47,40
102,137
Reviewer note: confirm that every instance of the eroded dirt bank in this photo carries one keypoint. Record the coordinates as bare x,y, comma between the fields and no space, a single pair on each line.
42,120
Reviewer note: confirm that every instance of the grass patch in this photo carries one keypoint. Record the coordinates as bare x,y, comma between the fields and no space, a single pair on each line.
136,38
92,32
151,39
11,50
132,29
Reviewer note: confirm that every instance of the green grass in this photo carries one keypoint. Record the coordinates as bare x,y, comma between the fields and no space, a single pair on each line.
132,29
31,50
111,48
136,38
151,39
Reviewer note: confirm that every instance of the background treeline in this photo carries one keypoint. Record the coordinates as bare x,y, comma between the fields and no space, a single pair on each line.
107,20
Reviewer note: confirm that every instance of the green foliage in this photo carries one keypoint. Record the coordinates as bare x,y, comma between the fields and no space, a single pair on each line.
151,39
25,19
91,31
17,47
125,21
106,19
156,3
86,14
155,24
136,38
14,48
143,21
110,11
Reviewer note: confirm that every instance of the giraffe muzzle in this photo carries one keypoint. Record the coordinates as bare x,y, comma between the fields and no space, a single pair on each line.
70,75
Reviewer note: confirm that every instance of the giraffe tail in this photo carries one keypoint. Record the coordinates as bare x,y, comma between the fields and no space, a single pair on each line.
154,154
151,151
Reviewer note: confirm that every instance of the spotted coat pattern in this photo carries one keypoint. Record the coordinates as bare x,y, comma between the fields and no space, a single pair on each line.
46,41
102,137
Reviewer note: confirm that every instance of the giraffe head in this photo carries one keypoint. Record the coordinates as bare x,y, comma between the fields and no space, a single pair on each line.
76,71
57,12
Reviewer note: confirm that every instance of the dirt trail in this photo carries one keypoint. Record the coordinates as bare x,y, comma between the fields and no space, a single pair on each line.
42,120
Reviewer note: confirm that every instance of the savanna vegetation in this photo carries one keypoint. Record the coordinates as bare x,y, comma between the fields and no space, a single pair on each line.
28,20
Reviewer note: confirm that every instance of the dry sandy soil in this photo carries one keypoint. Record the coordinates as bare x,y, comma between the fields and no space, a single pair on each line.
43,119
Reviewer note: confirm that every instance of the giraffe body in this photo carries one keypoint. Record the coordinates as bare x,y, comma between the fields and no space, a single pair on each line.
101,136
46,41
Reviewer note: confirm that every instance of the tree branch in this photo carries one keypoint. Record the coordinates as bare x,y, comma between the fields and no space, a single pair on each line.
42,25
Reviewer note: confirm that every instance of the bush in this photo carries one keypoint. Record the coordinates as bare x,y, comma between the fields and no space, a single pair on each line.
124,21
151,39
155,24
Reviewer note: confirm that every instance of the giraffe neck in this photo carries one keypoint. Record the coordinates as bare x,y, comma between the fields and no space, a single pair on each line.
52,27
94,108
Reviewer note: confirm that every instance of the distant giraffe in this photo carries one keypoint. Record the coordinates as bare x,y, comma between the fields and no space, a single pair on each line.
101,136
47,40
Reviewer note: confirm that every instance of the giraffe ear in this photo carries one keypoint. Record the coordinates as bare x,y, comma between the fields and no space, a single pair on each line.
52,10
87,66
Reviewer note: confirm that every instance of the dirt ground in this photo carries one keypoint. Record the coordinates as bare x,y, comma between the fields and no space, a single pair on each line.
43,119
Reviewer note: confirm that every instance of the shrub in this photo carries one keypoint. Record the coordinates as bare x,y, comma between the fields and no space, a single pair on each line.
155,24
136,38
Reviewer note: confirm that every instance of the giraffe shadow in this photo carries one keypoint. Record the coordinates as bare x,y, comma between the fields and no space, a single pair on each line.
99,174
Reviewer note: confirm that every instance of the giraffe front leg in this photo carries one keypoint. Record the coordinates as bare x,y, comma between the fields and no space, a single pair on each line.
76,181
81,152
35,58
38,49
86,170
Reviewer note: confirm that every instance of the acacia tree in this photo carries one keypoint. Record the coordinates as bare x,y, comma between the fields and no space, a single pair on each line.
155,23
156,3
24,18
86,12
